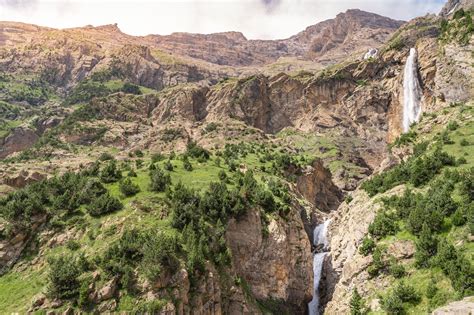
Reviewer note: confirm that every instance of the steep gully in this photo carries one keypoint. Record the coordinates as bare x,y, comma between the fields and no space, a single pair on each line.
412,93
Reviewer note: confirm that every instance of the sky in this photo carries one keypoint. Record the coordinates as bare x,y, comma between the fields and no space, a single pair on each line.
256,19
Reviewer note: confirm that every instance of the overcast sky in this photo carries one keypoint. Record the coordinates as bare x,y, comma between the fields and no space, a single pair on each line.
257,19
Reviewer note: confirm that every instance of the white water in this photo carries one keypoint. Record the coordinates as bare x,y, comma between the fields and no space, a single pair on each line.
319,234
411,92
318,260
319,238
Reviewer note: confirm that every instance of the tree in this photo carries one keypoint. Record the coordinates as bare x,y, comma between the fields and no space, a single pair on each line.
357,304
128,188
159,180
131,88
110,173
384,224
168,166
367,246
104,204
425,246
187,165
63,276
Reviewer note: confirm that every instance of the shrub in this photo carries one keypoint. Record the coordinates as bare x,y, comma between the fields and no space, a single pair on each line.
407,293
384,224
171,134
157,157
110,173
195,151
106,157
458,218
425,247
377,262
138,153
357,304
367,246
222,175
396,270
86,91
159,253
73,245
63,276
169,166
187,165
132,173
104,204
128,188
452,125
392,304
464,142
159,180
131,88
431,289
212,126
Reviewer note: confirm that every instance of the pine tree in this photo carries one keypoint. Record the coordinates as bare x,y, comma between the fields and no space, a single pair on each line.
425,246
357,303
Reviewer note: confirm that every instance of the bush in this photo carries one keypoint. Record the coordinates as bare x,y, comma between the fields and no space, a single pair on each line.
431,289
425,246
407,293
63,277
195,151
222,175
459,218
396,270
138,153
377,263
86,91
464,142
187,165
106,157
160,252
159,180
110,173
212,126
73,245
104,204
157,157
384,224
367,246
169,166
357,304
131,88
132,173
128,188
453,125
392,303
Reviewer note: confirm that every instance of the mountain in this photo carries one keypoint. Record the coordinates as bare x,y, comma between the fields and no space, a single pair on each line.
212,174
336,38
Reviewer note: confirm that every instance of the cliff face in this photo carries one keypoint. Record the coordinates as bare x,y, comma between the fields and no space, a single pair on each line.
328,41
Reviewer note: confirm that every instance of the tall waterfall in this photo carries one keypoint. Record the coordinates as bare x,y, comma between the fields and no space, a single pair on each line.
411,91
319,238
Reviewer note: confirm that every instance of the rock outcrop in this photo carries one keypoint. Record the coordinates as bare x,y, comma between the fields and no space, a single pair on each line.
283,255
316,186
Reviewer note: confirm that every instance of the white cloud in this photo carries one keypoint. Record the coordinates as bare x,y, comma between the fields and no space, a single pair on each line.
255,18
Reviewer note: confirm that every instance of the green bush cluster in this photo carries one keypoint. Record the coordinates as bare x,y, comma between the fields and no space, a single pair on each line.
417,171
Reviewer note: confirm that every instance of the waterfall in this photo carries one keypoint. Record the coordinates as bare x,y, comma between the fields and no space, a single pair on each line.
411,91
318,261
319,234
319,238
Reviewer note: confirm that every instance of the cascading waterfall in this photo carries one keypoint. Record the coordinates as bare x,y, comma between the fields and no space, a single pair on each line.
411,91
319,238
